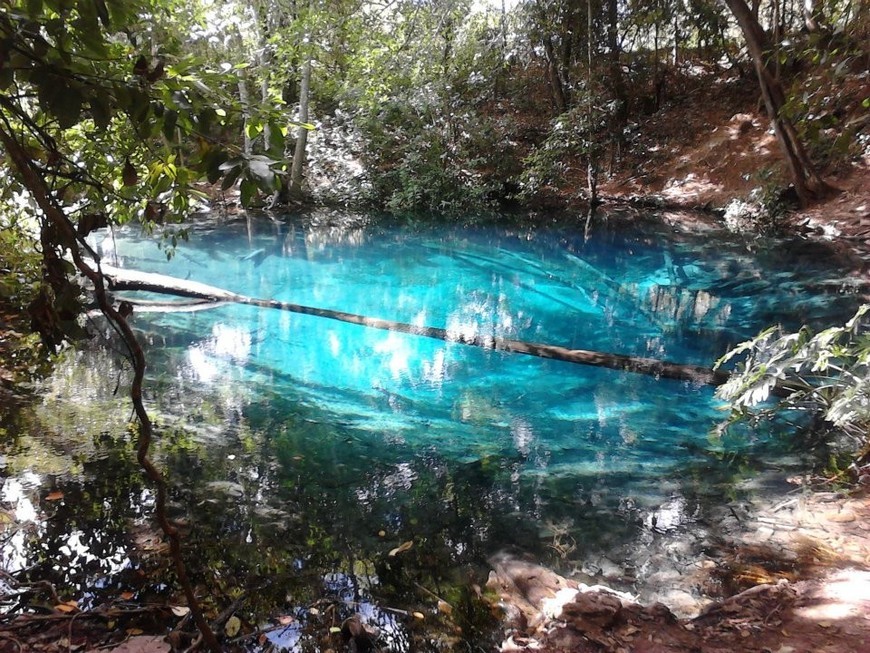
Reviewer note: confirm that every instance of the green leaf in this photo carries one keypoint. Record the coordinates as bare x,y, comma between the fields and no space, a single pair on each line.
253,129
205,119
138,104
6,78
261,167
100,110
102,12
34,8
212,162
170,121
246,192
232,163
68,107
276,139
61,99
88,29
121,12
232,175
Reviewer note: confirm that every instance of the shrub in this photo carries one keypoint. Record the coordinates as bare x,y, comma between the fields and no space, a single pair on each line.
826,374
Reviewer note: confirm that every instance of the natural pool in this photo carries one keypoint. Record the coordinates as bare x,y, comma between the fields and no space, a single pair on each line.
304,448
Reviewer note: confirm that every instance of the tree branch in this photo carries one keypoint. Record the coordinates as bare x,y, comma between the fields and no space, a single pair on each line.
56,216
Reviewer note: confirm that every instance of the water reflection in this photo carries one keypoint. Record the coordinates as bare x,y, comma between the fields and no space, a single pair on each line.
303,451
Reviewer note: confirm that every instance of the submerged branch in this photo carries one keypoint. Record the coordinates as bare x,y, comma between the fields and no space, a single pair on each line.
121,279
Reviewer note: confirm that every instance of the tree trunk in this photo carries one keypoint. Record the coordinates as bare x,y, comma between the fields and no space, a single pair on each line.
302,132
121,279
807,182
620,114
556,86
814,17
591,154
245,101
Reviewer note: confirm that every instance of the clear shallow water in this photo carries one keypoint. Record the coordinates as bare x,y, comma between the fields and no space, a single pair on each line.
304,447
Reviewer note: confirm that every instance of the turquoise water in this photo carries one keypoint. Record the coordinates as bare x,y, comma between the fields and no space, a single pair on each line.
656,294
304,450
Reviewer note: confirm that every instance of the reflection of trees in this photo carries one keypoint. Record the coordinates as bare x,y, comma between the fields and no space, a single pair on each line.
314,438
281,494
81,541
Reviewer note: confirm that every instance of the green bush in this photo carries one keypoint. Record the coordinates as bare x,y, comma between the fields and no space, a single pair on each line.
826,374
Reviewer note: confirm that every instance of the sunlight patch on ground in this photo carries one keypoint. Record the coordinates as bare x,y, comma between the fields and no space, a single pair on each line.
846,594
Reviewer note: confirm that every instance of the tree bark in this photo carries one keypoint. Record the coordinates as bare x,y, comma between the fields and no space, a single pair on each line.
591,154
560,99
617,82
302,133
807,182
121,279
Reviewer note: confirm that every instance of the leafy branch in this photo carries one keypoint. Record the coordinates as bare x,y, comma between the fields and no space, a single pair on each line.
117,316
828,374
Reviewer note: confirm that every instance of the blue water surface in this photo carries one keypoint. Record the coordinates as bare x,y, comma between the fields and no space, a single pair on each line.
627,287
327,463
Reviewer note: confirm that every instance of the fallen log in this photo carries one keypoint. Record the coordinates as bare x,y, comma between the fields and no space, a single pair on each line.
123,279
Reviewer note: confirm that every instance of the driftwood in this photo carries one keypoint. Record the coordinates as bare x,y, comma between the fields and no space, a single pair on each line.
122,279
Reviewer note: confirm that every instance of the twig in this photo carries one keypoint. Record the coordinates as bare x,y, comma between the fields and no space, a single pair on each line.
10,638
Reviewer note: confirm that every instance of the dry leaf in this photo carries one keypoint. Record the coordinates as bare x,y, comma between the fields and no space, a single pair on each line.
180,610
445,608
418,615
126,596
134,631
404,546
54,496
313,612
234,625
67,607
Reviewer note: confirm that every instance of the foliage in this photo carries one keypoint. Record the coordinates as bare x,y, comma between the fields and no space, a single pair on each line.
826,374
573,140
421,168
22,358
19,264
821,101
118,128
